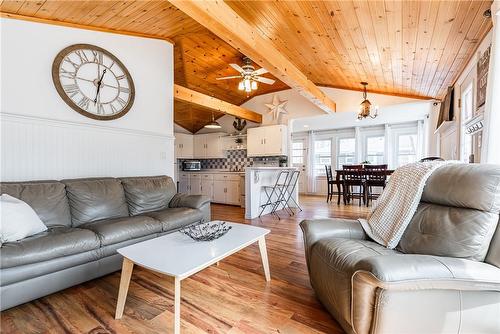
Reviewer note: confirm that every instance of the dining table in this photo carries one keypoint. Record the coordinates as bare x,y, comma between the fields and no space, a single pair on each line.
340,172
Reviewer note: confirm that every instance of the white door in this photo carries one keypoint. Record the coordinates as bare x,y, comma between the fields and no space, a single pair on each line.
299,160
255,141
207,188
273,140
233,195
184,185
200,144
213,147
186,142
219,191
195,184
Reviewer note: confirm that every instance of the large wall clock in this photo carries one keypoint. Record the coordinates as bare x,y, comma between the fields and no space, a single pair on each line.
93,82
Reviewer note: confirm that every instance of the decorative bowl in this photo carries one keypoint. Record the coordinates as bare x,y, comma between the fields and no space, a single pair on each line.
206,231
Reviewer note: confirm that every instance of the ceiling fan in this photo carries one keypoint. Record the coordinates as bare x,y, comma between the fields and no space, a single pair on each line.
248,75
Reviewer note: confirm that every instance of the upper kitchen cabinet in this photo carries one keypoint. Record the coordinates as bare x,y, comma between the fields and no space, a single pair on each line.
183,146
267,141
208,146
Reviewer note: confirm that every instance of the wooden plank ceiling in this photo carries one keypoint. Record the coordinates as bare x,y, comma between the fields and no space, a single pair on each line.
407,48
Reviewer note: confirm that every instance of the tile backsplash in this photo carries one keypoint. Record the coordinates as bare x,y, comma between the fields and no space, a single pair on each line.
238,160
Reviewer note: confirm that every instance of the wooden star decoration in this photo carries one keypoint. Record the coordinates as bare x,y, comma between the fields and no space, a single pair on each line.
277,107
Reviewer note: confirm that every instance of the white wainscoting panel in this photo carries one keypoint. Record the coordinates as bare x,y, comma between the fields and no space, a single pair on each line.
38,148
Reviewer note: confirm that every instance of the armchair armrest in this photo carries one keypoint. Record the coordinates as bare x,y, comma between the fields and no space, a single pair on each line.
188,201
413,272
317,229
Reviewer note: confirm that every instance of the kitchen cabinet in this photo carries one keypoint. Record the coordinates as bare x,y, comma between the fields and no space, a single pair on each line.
267,141
227,189
207,185
183,146
207,146
222,188
184,183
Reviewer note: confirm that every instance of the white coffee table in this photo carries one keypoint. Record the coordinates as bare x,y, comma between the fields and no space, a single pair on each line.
179,256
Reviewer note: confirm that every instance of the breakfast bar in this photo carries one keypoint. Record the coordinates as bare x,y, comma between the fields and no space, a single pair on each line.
256,179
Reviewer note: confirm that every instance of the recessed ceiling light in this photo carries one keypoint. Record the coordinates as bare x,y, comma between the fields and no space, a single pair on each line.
306,126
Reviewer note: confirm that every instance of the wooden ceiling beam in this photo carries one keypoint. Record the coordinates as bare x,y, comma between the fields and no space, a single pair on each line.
191,96
223,21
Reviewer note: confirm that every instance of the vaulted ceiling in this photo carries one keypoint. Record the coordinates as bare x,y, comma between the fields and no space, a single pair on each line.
408,48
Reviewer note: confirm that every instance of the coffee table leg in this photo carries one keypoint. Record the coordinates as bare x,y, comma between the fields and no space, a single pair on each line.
127,268
263,255
177,305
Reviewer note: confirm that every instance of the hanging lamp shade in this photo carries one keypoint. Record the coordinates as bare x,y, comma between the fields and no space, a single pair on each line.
213,124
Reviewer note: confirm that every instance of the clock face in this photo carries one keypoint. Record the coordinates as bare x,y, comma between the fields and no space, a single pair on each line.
93,82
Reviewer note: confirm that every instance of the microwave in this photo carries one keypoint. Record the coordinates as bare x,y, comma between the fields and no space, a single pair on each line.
191,165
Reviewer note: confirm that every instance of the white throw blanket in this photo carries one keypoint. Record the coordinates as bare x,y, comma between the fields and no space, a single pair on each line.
396,206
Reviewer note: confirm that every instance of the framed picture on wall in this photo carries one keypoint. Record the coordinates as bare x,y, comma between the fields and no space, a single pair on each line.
482,77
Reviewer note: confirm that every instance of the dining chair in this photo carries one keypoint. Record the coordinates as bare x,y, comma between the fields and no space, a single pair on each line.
331,183
375,176
353,183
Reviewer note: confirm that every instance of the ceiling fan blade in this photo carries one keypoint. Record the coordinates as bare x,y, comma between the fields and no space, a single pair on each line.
264,80
260,71
231,77
237,68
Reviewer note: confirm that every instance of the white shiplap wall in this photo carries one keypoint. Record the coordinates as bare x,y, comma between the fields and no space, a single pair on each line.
36,148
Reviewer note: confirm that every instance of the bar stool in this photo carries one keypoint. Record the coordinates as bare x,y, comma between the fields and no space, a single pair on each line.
277,191
289,189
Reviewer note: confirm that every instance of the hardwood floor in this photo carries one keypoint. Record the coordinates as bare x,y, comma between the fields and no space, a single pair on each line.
230,298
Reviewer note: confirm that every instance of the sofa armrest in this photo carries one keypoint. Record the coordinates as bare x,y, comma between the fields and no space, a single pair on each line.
188,201
413,272
317,229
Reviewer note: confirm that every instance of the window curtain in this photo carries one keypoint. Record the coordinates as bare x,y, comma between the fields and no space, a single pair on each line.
491,133
311,178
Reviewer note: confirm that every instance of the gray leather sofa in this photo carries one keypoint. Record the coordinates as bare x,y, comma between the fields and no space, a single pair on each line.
88,220
443,277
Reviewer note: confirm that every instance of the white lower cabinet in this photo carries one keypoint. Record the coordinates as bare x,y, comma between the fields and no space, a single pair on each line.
195,184
184,183
219,191
207,185
222,188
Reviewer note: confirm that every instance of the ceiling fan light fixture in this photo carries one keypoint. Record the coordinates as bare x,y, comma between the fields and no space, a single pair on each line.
241,86
213,124
248,85
254,85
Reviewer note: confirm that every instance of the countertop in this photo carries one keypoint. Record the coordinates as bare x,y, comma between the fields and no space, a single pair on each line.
210,171
270,168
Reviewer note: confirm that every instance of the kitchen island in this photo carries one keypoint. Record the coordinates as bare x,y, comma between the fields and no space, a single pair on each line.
256,178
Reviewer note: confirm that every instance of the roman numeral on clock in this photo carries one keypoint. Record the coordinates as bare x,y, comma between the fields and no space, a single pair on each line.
84,103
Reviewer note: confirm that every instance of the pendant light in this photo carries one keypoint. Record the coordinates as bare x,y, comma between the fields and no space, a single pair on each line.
213,124
365,108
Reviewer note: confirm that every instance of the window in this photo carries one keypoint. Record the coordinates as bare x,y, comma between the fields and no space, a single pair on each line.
375,148
298,152
346,152
322,155
406,149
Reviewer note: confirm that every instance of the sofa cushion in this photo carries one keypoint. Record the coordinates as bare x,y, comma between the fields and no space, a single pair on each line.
47,198
112,231
145,194
333,261
175,218
51,244
474,186
449,231
95,199
24,272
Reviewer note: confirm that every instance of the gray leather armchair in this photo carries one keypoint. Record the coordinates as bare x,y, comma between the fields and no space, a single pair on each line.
444,276
88,220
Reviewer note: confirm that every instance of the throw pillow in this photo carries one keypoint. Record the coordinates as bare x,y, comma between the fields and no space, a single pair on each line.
17,220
